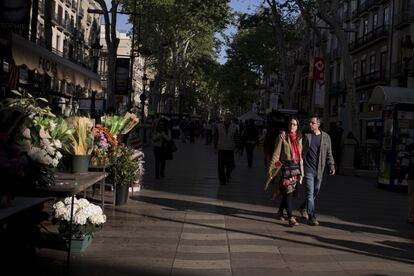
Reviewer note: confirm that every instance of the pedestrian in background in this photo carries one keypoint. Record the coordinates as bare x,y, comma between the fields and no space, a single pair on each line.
251,139
208,129
317,154
160,136
225,135
286,168
274,126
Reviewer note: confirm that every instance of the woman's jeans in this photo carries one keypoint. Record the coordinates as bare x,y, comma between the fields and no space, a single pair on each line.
312,187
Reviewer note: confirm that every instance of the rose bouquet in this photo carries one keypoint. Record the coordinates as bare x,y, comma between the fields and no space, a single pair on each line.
104,144
87,217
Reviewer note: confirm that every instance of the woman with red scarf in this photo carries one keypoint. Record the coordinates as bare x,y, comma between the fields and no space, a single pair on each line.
286,168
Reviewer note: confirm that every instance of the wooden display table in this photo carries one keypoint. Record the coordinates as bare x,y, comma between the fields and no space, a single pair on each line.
71,184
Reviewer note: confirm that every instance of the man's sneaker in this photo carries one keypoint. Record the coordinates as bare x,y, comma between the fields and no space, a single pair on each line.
293,222
313,221
304,213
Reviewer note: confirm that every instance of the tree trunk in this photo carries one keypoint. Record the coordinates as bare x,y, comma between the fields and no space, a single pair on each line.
112,43
327,13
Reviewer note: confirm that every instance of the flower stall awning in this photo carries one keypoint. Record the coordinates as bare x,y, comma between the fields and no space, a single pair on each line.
38,58
387,95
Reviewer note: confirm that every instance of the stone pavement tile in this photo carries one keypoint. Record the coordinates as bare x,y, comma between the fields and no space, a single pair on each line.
201,264
203,249
298,266
247,236
308,258
403,269
304,251
200,272
261,271
250,226
190,216
243,248
155,234
264,242
203,242
237,263
323,273
204,225
205,237
204,230
132,250
140,266
272,256
201,256
359,267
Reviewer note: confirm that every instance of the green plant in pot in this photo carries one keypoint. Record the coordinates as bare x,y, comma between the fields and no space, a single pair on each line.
123,172
80,143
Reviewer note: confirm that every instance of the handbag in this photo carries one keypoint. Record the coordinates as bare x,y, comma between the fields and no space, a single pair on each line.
169,146
290,169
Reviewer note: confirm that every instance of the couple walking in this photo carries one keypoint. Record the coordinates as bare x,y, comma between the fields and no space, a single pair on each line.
300,158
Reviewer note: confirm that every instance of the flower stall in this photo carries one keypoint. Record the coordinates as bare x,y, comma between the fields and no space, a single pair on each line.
34,142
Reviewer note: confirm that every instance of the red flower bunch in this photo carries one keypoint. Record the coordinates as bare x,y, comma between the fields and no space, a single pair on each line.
278,164
104,145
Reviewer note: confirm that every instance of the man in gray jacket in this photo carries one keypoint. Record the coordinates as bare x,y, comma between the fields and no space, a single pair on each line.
317,154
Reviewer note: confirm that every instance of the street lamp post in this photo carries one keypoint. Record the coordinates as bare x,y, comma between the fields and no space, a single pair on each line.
143,96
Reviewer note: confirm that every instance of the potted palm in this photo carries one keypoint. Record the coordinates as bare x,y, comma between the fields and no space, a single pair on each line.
123,172
80,144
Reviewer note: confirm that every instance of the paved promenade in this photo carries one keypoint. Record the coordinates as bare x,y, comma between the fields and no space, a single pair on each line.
187,224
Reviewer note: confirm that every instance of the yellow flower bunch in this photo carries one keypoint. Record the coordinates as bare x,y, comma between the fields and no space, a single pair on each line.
81,140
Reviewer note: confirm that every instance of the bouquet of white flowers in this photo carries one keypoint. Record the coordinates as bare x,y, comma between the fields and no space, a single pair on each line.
87,217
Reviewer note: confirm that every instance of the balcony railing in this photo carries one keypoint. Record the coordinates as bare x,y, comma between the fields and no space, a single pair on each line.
363,41
74,5
69,27
365,7
57,19
371,78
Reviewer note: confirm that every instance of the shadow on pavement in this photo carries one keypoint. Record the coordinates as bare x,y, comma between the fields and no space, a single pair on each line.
397,251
